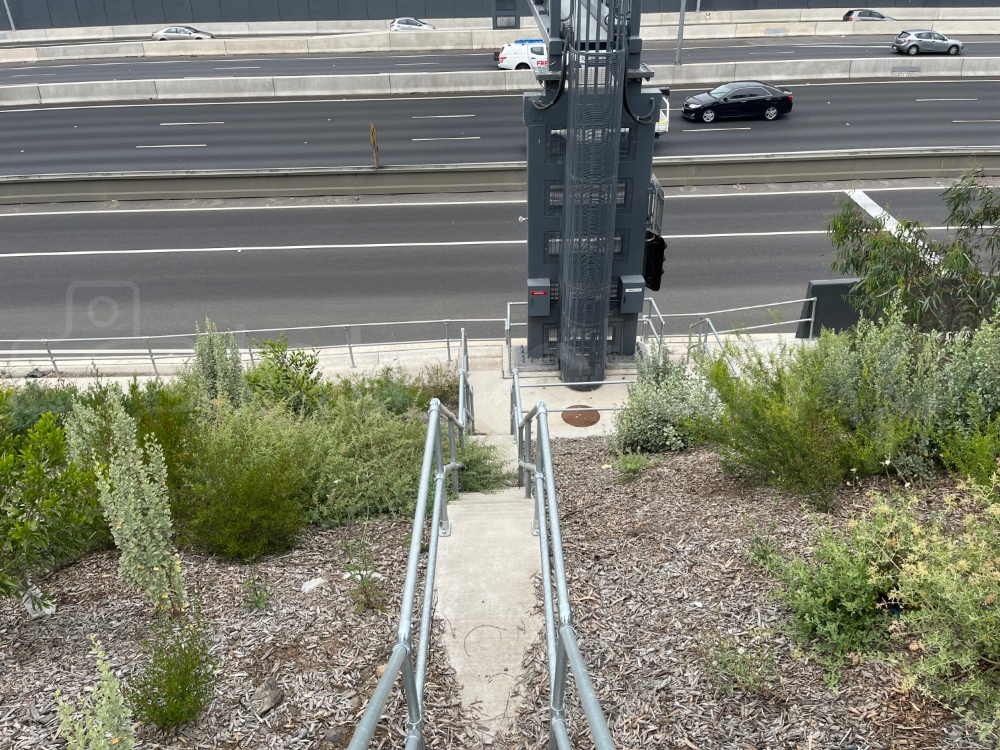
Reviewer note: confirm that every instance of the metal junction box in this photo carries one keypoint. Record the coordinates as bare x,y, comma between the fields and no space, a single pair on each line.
539,298
631,294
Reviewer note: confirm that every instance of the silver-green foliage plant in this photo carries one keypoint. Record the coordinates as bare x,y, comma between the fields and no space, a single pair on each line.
133,496
105,721
48,510
664,407
972,378
218,365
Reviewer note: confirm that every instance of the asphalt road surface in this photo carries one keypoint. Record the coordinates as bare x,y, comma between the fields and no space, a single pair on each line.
159,268
466,129
655,53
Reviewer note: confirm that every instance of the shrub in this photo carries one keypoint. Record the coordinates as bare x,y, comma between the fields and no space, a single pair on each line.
218,365
842,596
631,465
248,478
389,386
483,467
49,508
133,496
973,454
371,462
750,668
774,425
178,681
971,378
24,406
664,407
440,380
106,722
367,592
287,377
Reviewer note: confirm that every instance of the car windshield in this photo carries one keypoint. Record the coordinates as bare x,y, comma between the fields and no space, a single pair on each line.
721,91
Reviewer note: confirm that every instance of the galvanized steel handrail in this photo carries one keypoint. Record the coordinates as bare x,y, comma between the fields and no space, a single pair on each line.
402,658
562,648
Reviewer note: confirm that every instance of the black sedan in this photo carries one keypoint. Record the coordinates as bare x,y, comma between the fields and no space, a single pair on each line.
739,99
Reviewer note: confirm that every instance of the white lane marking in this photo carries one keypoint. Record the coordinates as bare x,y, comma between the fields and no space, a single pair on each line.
412,64
947,100
710,130
178,145
31,75
198,209
975,120
873,209
241,248
241,67
438,117
456,138
210,122
287,101
771,53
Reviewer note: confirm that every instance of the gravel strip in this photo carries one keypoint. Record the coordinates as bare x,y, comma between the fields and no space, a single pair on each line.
324,655
658,571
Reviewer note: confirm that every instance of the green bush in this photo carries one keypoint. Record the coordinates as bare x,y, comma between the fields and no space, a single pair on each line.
287,377
218,365
631,465
371,462
440,380
105,721
972,454
972,378
178,680
774,425
841,596
665,407
249,474
483,467
24,406
389,386
48,507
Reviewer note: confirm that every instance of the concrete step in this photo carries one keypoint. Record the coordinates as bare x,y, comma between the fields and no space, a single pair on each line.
485,591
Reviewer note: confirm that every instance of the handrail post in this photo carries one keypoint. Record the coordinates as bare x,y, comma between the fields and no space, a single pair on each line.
414,707
246,335
527,455
453,455
447,340
52,358
350,349
151,357
812,318
440,498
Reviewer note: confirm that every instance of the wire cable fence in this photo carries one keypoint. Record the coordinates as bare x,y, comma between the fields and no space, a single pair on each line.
406,660
535,473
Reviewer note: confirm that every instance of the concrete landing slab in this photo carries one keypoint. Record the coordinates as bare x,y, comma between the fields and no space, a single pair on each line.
486,596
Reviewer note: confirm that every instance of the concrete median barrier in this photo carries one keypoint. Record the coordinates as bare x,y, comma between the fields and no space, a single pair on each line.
266,46
257,28
447,83
303,86
368,42
521,80
906,67
97,91
841,28
20,96
980,66
340,27
78,33
213,88
18,55
182,49
780,70
72,52
794,28
415,41
674,75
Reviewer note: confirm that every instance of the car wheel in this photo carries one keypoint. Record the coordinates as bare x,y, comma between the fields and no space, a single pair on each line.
953,49
912,50
708,115
771,113
522,66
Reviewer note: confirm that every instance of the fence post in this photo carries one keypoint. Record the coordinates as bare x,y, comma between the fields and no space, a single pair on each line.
350,349
447,340
151,357
812,318
53,359
246,334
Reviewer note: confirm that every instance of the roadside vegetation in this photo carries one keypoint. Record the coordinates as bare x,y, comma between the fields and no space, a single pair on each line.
230,462
910,394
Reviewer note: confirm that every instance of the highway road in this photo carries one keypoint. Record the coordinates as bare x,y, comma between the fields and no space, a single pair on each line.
465,129
655,53
158,268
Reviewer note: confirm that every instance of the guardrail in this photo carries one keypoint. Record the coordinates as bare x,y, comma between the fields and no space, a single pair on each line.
562,647
672,171
401,660
75,351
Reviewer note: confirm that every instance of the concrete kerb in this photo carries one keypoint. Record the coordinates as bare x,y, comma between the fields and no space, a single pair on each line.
26,95
375,84
97,91
213,88
183,49
778,70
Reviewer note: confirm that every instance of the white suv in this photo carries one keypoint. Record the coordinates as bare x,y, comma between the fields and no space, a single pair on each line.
524,54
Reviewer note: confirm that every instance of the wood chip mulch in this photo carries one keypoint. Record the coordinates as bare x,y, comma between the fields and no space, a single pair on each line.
658,570
325,655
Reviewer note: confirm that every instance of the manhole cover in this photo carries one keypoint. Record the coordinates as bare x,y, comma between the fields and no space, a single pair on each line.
585,417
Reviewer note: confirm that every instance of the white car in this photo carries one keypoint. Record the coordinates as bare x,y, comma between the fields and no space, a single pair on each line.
663,124
410,24
180,33
524,54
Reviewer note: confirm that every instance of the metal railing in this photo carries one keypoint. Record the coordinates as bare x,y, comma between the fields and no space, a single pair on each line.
182,348
562,647
402,659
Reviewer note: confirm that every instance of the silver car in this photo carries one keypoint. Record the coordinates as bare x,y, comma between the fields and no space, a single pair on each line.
923,41
410,24
180,33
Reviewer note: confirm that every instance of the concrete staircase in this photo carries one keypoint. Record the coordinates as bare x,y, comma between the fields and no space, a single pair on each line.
486,595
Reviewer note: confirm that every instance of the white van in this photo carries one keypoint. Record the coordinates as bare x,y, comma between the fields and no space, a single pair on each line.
662,124
523,54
